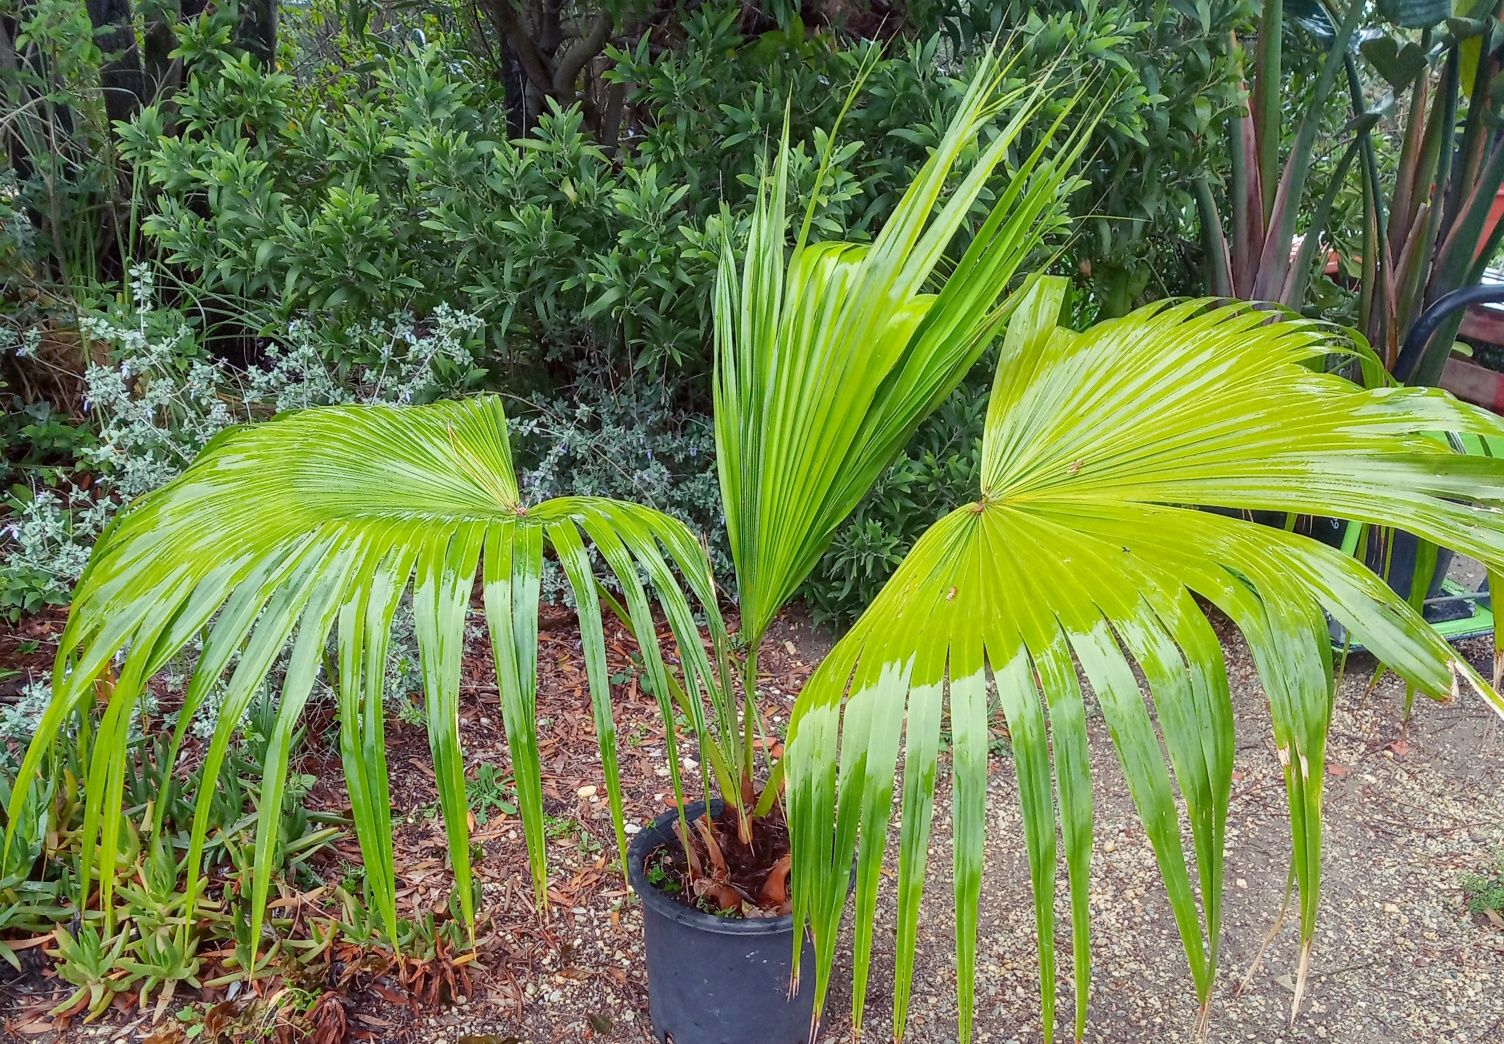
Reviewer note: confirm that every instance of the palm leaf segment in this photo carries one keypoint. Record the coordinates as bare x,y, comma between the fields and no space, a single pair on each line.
1076,569
316,524
826,362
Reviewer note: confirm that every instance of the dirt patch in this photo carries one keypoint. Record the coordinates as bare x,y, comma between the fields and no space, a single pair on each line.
720,874
27,649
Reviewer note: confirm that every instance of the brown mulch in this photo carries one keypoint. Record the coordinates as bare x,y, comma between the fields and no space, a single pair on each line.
27,649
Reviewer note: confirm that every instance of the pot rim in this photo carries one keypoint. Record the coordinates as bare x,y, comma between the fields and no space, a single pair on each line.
660,832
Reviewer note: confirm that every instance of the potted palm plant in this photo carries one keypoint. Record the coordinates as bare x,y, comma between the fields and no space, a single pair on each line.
828,355
320,522
1079,554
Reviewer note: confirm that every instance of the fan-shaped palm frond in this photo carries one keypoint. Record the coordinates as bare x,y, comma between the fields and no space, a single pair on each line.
827,362
317,523
1077,566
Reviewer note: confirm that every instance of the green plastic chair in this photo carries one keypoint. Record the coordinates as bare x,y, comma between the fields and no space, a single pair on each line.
1455,610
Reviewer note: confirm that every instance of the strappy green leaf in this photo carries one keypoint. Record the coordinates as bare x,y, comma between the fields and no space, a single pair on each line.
827,359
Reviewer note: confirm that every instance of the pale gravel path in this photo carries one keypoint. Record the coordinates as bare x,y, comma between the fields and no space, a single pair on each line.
1397,958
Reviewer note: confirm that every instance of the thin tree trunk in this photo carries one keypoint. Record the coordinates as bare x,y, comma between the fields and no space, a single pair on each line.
120,72
12,148
256,31
514,85
160,40
544,61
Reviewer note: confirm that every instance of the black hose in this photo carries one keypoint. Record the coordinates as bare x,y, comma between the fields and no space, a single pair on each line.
1431,319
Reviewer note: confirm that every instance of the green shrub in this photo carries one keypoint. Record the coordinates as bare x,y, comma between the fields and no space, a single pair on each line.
395,187
939,468
1173,79
1166,68
365,177
409,194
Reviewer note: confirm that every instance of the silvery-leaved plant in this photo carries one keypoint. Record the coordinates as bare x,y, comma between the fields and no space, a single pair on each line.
18,718
157,398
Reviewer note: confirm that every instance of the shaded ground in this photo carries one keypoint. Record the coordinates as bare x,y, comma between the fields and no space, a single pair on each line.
1411,811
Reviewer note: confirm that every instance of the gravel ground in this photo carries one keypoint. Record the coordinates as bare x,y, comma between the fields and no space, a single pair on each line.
1410,812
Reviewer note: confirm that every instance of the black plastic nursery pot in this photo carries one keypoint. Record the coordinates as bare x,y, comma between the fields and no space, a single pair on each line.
1399,554
1401,557
716,980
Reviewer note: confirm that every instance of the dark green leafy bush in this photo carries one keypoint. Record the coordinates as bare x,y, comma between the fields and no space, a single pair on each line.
409,195
396,186
372,173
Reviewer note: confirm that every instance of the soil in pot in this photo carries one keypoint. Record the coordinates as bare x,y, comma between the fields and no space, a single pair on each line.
722,874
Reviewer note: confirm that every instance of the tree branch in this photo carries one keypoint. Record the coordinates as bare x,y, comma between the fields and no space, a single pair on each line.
581,51
534,62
